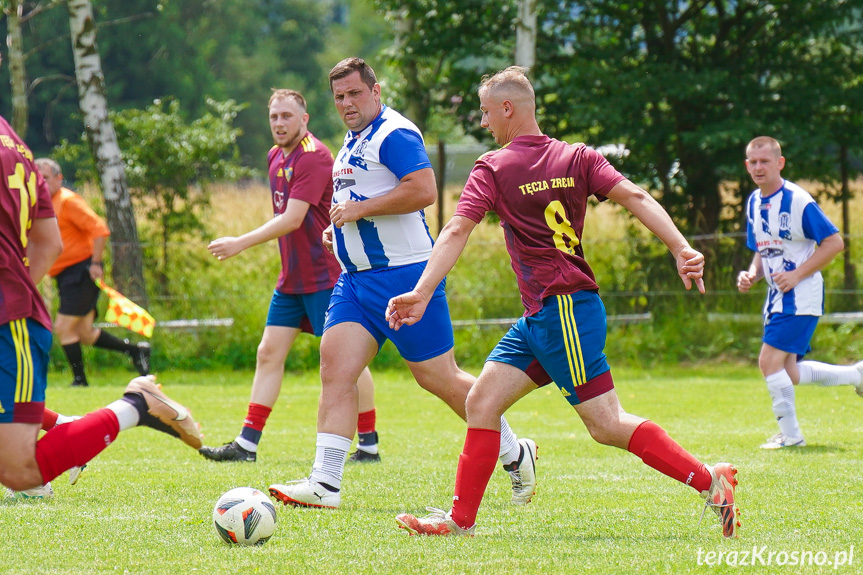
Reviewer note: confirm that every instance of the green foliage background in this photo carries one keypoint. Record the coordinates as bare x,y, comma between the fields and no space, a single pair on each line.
634,271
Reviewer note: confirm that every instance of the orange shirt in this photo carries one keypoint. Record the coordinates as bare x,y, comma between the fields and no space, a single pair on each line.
79,226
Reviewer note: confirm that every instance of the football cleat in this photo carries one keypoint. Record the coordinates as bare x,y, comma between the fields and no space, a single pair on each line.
522,473
141,357
75,474
360,456
438,522
231,451
41,492
165,414
720,498
779,441
306,493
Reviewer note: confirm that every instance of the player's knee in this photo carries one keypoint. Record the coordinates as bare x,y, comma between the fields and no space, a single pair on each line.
17,478
602,433
480,404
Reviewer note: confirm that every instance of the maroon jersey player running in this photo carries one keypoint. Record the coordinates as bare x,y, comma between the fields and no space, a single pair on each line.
539,187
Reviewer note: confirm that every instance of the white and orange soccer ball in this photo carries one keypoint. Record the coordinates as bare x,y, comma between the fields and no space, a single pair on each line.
244,516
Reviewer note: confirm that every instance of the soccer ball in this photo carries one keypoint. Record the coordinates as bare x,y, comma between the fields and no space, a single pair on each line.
244,516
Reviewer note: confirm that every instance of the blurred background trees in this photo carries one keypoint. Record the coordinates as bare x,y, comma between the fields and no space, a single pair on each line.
673,90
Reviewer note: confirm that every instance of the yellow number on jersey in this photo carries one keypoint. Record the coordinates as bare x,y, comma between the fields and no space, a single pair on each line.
27,190
554,212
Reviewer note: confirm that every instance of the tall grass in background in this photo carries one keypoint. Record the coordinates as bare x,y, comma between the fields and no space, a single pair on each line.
634,270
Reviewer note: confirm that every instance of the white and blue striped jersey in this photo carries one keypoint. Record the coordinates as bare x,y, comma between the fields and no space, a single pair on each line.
785,229
370,164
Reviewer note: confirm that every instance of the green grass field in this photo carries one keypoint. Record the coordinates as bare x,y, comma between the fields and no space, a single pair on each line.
144,505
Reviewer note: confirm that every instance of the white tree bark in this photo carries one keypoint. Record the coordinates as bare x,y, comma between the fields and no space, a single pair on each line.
17,74
525,34
125,248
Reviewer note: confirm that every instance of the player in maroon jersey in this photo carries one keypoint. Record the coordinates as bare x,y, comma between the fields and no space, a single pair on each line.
539,188
300,169
29,243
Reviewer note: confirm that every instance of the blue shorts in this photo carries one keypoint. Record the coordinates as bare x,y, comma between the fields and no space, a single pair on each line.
24,347
362,297
304,311
791,333
567,338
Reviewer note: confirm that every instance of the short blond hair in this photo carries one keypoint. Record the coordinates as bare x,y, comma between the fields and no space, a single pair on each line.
512,81
765,142
285,94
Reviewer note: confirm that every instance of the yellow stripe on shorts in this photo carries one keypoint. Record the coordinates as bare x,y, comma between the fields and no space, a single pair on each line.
24,381
571,342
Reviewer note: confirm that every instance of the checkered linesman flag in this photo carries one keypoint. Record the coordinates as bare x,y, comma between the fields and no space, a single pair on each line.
124,312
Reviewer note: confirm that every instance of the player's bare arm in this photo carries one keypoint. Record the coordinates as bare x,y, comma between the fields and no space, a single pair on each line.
828,249
747,278
408,308
690,262
416,191
283,224
43,247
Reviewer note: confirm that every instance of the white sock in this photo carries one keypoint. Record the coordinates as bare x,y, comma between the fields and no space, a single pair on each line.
61,419
373,449
815,372
509,447
330,455
127,414
246,444
782,393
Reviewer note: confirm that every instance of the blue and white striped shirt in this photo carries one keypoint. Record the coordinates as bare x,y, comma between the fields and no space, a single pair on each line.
785,228
370,164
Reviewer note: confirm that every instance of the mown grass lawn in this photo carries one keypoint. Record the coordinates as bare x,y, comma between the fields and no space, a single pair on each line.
144,505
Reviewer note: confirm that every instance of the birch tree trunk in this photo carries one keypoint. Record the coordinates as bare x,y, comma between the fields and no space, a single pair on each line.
525,34
125,248
17,74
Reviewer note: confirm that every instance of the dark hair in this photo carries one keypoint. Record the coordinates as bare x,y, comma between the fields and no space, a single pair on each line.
350,65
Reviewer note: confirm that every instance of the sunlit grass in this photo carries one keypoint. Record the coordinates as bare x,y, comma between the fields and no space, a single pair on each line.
144,505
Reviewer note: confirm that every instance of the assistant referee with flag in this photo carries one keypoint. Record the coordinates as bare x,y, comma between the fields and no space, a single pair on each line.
84,236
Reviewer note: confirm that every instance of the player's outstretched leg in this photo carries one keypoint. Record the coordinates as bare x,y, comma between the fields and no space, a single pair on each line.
720,497
160,412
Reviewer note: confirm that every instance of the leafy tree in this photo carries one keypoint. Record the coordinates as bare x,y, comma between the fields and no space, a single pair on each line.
184,49
170,164
684,85
441,48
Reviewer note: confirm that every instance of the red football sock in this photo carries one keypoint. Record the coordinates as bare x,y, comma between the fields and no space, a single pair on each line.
659,451
49,419
253,425
366,422
256,417
475,466
75,443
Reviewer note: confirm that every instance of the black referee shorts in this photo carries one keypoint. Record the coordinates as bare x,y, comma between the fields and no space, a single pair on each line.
78,292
